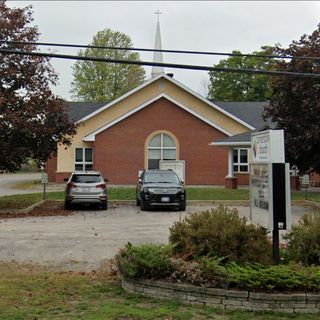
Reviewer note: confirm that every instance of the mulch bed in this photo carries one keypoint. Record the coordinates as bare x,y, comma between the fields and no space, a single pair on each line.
45,209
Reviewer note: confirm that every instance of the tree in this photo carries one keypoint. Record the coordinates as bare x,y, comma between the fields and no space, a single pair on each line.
32,119
226,86
101,81
295,102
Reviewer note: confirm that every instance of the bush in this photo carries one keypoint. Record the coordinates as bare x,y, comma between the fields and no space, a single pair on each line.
304,240
144,261
279,278
187,272
222,233
149,261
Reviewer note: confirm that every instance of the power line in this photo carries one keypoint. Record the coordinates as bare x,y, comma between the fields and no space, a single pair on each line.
68,45
159,64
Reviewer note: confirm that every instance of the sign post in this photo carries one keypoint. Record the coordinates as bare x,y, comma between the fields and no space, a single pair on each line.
44,181
305,182
270,203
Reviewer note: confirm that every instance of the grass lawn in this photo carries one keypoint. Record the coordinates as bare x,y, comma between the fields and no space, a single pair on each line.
205,193
31,292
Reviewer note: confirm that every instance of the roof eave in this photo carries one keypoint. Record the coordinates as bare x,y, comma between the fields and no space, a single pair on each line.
230,144
177,83
91,136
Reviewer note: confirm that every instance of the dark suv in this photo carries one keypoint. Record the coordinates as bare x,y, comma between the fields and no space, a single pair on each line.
160,188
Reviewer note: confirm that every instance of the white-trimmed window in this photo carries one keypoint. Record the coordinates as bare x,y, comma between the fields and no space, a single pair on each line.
161,147
240,160
83,159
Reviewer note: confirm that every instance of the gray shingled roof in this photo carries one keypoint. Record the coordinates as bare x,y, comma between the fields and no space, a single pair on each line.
78,110
250,112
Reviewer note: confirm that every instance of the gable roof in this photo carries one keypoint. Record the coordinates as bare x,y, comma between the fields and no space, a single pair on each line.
96,109
91,136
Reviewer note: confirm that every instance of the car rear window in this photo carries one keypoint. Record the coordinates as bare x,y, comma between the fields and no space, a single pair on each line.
86,178
159,177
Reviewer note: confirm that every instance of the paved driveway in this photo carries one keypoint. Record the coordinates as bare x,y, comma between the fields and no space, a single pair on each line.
82,241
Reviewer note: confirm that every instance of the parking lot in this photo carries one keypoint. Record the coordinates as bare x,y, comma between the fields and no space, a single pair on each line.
84,240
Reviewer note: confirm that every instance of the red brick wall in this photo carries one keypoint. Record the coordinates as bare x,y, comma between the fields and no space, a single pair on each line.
119,150
314,179
51,167
243,178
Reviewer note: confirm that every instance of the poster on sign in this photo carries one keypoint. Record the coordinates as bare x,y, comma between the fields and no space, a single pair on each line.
261,195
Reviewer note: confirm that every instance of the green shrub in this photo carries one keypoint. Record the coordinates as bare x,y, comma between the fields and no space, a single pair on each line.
222,233
304,240
278,278
211,272
144,261
149,261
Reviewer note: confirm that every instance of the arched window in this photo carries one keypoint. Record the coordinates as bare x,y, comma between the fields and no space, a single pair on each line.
161,147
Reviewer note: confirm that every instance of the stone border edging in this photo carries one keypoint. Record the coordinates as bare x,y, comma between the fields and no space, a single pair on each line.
225,299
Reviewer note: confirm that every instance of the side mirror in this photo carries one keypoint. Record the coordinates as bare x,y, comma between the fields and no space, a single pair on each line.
65,179
106,180
140,180
182,182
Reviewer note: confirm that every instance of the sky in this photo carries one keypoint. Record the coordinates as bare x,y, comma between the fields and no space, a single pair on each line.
216,26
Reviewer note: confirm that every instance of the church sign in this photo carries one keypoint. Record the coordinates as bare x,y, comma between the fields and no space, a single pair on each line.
270,202
269,181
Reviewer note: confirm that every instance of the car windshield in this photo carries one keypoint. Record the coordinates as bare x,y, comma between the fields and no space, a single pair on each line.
86,178
161,177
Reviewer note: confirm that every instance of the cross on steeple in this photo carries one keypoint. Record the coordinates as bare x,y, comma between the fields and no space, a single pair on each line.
158,13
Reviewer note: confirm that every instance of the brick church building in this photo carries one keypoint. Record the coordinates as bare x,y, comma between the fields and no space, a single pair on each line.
160,120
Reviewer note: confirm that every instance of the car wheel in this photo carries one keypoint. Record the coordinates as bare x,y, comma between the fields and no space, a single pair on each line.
182,206
104,205
143,205
67,205
137,202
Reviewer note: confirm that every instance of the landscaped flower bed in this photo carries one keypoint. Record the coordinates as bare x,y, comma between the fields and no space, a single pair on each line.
218,251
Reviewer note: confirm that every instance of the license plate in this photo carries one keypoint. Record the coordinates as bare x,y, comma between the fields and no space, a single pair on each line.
165,199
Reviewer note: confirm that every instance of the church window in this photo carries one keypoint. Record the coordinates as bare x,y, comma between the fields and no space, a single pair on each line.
161,147
83,159
240,160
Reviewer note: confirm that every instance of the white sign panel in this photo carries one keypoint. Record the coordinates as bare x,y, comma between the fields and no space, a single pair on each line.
268,146
305,181
261,195
178,166
44,177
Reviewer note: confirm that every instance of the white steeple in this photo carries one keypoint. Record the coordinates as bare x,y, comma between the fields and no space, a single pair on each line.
157,56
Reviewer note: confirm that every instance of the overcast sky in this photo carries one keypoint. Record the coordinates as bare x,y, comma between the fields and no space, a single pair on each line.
185,25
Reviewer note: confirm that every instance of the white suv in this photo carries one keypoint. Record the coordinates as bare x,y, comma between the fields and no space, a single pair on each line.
86,187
